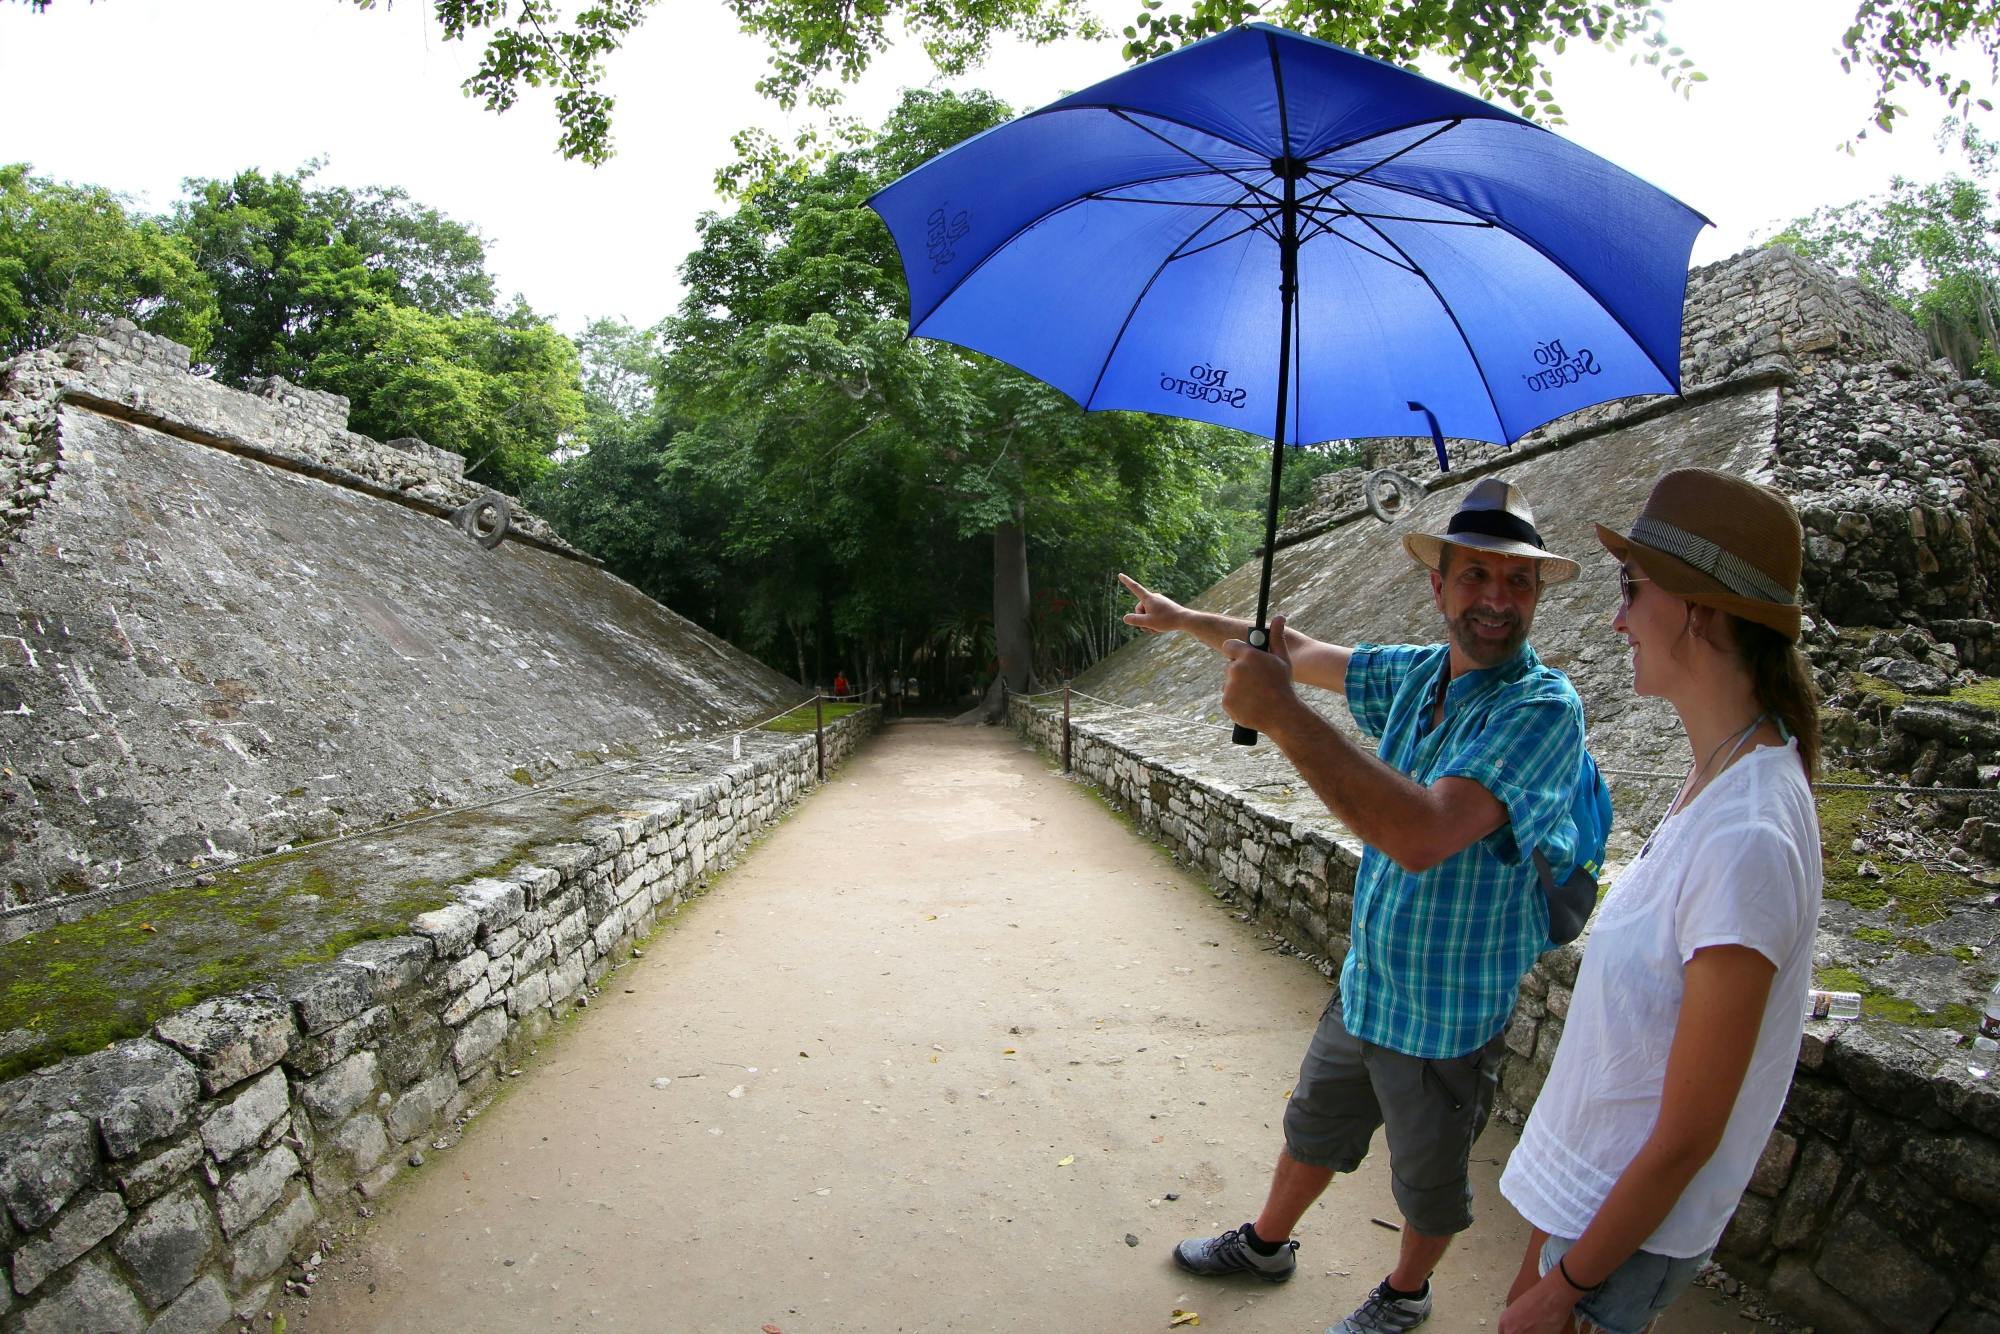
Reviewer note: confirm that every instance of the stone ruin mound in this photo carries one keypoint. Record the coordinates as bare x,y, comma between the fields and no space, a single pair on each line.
234,625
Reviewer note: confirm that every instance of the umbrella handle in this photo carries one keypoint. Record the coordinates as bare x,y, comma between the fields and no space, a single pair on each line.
1260,639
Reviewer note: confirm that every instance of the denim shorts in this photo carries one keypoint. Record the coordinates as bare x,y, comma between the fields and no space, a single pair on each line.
1430,1112
1635,1293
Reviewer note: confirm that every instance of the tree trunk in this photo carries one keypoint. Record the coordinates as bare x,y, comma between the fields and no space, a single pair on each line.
1013,638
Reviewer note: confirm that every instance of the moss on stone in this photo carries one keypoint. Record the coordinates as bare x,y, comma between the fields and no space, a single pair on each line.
1964,954
1877,1004
523,777
801,718
73,988
1919,893
1875,935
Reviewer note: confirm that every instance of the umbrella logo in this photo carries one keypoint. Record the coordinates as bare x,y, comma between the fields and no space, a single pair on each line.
1560,367
1209,384
946,230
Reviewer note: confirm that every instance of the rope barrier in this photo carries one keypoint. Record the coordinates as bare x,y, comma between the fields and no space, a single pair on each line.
124,888
1650,774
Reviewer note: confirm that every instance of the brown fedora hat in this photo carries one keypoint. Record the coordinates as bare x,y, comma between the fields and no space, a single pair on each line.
1494,516
1713,538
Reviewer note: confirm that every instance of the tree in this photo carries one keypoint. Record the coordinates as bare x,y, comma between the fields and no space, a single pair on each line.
1933,249
861,456
503,392
290,263
71,257
1498,45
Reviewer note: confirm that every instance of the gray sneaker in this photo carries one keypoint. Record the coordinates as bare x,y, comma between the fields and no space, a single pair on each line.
1384,1313
1230,1253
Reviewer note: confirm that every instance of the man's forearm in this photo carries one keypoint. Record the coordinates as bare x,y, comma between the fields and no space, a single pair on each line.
1382,807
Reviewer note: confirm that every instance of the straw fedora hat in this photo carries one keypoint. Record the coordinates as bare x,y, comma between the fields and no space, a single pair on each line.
1713,538
1494,516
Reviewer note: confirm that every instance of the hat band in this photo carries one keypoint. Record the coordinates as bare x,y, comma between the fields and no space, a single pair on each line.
1726,568
1494,523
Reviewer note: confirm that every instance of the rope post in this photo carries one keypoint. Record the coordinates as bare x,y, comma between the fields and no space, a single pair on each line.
1065,724
819,733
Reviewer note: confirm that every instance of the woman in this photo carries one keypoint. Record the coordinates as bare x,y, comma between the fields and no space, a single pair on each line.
1684,1027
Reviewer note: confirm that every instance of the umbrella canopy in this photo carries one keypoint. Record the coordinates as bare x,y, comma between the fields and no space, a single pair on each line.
1273,233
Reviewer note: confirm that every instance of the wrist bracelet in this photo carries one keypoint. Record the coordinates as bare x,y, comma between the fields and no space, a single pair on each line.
1563,1269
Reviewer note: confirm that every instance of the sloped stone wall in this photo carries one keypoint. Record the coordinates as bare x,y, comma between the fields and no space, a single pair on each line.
163,1183
234,625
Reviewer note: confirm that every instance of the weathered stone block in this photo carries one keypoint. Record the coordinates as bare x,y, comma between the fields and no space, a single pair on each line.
1774,1164
200,1310
466,971
1749,1230
323,997
1814,1182
416,1111
231,1038
469,1003
262,1248
316,1053
529,993
1866,1263
1797,1290
243,1198
393,966
332,1095
168,1244
80,1227
236,1125
412,1052
1820,1106
1520,1037
359,1144
145,1179
89,1297
478,1039
43,1164
450,929
135,1092
566,980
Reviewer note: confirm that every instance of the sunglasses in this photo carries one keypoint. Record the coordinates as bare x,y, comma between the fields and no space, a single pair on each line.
1626,581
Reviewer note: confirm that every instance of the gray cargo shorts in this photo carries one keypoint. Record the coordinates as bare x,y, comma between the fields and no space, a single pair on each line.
1430,1112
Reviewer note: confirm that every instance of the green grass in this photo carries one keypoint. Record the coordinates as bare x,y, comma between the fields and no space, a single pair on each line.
801,718
1984,694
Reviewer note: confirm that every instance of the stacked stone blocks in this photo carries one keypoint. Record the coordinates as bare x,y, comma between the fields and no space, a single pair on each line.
162,1183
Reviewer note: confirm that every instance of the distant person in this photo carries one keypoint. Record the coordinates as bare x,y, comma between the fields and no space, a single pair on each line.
840,685
1480,749
1683,1029
896,692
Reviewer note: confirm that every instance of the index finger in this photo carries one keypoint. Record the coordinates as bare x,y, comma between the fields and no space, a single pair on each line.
1133,586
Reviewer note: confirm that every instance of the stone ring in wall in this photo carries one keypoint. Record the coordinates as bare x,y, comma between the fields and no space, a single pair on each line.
1406,489
486,519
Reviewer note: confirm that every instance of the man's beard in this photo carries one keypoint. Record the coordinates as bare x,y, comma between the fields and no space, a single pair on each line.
1488,652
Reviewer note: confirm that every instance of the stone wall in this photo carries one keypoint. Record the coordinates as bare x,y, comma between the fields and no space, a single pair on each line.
163,1183
1875,1207
233,625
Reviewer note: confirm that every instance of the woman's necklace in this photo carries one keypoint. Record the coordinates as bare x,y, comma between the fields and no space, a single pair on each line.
1693,780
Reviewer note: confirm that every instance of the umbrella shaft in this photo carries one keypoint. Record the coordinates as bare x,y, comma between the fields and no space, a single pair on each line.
1288,290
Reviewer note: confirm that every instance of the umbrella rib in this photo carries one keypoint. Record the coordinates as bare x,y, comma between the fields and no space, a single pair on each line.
1189,153
1672,378
1111,350
1451,315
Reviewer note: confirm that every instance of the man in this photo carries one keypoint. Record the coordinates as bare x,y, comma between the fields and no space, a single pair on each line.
1480,745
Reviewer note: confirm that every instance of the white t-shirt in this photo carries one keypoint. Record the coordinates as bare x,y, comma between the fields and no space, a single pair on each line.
1739,865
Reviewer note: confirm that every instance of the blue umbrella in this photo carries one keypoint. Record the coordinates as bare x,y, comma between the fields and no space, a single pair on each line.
1262,227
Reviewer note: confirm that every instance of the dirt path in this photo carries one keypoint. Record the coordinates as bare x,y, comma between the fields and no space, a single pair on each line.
940,1049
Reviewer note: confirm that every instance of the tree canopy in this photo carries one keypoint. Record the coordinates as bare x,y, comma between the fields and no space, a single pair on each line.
71,255
854,488
1499,46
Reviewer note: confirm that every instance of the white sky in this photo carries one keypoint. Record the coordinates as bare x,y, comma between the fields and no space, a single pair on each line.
137,95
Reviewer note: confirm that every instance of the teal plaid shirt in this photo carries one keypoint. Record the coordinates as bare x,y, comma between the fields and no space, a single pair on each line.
1436,957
